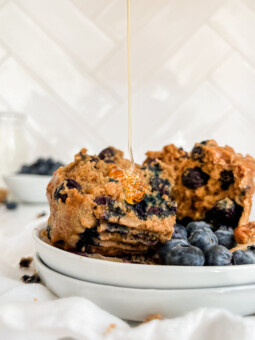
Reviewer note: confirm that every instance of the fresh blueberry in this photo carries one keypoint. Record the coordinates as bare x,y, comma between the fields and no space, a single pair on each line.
194,178
199,225
251,248
243,257
164,250
11,205
54,167
203,239
41,167
180,232
185,256
218,256
25,169
225,236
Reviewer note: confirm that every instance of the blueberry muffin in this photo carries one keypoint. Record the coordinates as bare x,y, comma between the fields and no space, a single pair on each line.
212,183
245,234
90,213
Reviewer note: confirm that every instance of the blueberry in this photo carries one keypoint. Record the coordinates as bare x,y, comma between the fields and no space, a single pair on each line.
154,166
140,209
225,212
185,256
226,178
164,250
58,194
203,239
243,257
180,232
159,184
194,178
225,236
72,184
88,237
54,167
197,153
11,205
25,169
48,232
106,153
218,256
158,211
41,167
103,200
251,248
198,225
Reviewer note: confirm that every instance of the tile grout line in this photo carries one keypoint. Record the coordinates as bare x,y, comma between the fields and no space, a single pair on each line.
64,106
232,101
230,43
84,70
165,58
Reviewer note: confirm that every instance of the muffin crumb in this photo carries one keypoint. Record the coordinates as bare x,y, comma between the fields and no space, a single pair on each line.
31,278
25,262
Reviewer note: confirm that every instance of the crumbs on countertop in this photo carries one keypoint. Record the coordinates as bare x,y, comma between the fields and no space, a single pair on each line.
35,278
110,328
152,317
25,262
3,195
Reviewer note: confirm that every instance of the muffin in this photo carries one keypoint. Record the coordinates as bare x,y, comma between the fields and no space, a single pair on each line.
90,212
212,183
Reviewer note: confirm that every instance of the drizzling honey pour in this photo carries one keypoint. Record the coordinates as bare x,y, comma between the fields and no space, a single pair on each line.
134,188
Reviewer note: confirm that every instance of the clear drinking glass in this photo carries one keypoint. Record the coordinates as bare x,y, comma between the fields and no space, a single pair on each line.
13,142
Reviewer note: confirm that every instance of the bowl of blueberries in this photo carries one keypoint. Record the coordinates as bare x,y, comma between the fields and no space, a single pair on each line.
29,183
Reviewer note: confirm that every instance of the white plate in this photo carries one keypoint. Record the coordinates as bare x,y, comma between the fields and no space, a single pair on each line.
28,188
138,275
137,304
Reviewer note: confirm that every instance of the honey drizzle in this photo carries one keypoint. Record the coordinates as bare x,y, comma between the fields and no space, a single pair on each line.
129,87
134,188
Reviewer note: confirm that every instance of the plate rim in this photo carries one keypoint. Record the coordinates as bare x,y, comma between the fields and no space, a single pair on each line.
220,289
219,269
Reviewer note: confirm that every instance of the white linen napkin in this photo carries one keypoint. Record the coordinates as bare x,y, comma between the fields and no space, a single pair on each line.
31,311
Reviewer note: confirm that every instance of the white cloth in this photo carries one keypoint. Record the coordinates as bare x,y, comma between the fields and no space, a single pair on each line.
31,311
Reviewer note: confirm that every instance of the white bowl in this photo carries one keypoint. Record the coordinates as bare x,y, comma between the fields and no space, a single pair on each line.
139,275
137,304
28,188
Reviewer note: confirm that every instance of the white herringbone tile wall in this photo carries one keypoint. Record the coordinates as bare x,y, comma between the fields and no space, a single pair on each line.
63,63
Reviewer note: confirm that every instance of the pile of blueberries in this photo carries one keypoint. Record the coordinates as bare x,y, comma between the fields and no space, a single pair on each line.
41,167
198,245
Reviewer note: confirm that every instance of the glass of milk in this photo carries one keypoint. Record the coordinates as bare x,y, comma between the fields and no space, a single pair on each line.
13,143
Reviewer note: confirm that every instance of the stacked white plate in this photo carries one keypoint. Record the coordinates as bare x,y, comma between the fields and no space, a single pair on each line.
134,291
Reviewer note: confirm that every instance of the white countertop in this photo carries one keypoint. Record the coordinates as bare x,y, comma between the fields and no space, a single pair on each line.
14,221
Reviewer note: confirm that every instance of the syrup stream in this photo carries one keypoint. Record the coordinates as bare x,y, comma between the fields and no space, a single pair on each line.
129,87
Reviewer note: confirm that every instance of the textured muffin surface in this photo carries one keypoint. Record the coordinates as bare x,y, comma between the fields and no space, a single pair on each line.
89,211
212,183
